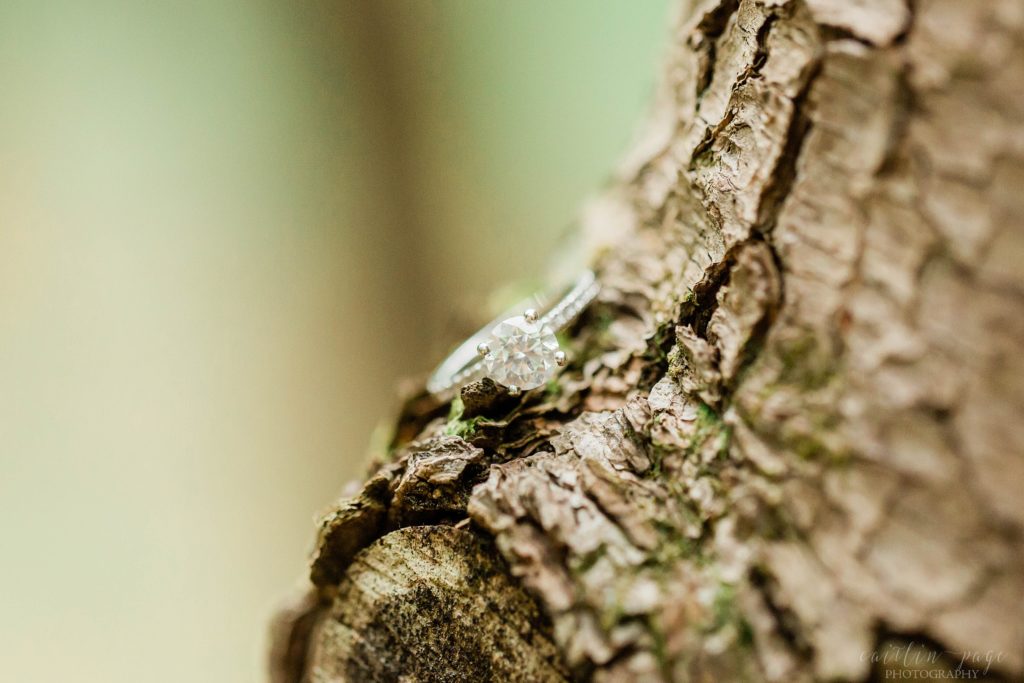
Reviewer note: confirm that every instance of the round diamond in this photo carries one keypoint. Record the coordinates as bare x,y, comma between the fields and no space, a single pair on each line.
522,353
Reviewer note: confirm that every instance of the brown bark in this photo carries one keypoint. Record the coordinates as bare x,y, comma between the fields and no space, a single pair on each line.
792,433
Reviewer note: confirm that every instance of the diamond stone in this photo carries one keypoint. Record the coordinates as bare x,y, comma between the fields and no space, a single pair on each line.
522,353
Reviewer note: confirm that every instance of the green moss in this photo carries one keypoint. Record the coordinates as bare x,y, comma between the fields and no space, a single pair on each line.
745,632
723,440
456,426
676,362
805,362
656,452
809,448
664,336
463,428
726,613
659,646
709,425
674,548
456,409
552,389
581,564
809,440
603,319
722,608
707,418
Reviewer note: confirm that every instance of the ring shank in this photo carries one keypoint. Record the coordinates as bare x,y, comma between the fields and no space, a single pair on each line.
464,364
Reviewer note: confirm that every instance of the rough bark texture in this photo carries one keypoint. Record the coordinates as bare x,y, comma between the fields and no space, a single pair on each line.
791,444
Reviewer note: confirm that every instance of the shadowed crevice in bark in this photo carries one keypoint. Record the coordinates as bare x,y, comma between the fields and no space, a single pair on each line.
709,29
778,189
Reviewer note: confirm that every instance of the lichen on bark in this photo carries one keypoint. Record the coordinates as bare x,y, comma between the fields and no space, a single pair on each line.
790,442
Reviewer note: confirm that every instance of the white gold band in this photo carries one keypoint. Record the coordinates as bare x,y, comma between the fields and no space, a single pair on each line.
467,364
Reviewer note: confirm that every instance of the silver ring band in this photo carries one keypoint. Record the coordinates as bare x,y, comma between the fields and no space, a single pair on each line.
467,364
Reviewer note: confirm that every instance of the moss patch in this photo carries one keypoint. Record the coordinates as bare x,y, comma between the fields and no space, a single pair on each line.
456,426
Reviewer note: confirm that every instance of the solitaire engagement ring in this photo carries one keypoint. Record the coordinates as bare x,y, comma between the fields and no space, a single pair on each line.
518,349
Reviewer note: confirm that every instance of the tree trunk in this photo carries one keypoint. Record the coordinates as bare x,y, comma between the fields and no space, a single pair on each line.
790,445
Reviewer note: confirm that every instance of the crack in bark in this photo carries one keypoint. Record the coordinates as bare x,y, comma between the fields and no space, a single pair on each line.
711,27
784,175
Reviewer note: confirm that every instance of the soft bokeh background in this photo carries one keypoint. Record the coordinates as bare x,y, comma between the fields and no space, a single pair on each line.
226,229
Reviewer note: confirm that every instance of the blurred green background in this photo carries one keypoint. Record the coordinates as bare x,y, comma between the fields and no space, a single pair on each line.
226,230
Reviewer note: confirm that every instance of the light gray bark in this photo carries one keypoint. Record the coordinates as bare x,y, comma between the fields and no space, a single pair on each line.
792,435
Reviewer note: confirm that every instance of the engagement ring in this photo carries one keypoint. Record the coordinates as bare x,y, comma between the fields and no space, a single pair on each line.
518,349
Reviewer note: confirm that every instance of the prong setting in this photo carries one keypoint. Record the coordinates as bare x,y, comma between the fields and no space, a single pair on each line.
561,359
513,390
520,350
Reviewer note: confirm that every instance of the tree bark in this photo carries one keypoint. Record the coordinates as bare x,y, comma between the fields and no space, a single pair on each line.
790,445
